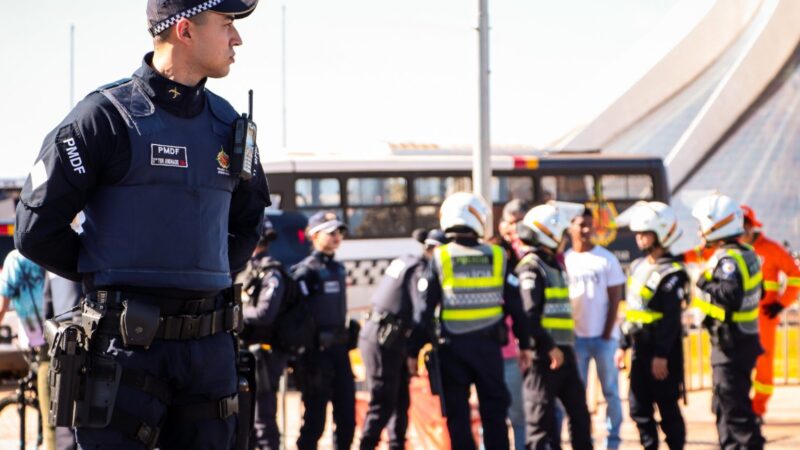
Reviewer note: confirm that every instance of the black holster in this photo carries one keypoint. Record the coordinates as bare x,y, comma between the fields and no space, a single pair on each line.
69,349
390,330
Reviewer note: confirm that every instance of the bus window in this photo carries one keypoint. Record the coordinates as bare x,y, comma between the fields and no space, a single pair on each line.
505,189
376,207
627,187
568,188
430,192
317,194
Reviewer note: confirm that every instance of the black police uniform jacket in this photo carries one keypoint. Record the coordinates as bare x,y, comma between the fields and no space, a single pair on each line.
147,161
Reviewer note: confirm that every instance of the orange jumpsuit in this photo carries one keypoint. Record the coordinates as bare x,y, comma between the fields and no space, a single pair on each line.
774,259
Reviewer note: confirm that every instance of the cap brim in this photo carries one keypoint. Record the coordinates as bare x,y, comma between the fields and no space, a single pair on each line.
239,9
328,227
432,242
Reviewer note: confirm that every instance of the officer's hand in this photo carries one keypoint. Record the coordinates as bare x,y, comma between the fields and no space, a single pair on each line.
772,309
619,358
659,368
525,360
413,366
702,282
556,358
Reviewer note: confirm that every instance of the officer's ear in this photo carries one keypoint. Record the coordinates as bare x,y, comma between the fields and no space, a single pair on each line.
182,32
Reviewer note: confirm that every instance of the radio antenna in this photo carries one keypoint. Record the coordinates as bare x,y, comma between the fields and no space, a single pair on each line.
250,106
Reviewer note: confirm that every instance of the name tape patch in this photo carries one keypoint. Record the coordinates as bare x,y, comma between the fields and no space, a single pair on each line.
168,156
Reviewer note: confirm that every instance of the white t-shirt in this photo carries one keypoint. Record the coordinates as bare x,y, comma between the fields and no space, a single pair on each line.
590,274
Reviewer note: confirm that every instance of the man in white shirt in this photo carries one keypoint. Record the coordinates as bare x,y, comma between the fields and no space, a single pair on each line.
595,289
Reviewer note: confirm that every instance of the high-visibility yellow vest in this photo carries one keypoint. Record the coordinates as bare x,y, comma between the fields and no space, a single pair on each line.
557,314
747,264
472,280
643,282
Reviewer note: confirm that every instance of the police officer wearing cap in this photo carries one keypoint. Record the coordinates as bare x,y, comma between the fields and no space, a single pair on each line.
325,371
147,159
545,295
731,291
470,284
654,296
265,288
382,344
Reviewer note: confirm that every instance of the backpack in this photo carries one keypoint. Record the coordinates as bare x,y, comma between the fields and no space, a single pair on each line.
293,330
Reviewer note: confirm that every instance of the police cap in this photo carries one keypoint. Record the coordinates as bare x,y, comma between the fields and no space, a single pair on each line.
162,14
325,221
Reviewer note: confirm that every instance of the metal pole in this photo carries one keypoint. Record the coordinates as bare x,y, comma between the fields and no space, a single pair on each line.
481,153
71,66
283,69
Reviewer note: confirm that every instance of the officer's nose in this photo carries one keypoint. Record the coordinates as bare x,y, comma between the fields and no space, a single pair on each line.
236,39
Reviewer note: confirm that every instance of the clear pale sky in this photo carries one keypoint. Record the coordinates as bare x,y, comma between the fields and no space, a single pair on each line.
359,72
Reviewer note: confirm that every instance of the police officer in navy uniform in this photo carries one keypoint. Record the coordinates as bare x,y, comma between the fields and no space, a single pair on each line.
545,295
325,371
265,288
654,296
382,344
731,288
469,281
167,220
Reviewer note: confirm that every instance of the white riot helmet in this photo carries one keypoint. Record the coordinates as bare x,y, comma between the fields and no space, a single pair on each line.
466,210
656,217
548,223
720,217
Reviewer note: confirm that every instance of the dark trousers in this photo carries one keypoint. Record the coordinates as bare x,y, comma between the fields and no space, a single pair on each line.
328,377
646,391
269,367
387,381
198,371
468,360
541,387
736,421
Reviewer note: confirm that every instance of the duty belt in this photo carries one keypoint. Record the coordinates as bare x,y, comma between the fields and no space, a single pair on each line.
174,326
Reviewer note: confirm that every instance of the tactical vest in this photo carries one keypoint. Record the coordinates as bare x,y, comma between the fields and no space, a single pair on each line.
393,288
472,280
749,267
557,314
326,291
642,285
165,223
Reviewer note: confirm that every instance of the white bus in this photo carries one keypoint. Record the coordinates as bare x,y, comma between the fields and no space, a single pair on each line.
383,197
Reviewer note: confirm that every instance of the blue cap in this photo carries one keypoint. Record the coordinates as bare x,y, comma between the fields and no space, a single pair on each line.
162,14
325,221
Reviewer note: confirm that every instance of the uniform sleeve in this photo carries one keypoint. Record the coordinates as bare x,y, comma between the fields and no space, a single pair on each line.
246,213
270,296
512,306
88,148
725,285
532,287
786,264
666,331
430,296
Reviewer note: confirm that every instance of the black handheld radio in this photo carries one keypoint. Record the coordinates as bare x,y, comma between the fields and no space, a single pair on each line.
244,143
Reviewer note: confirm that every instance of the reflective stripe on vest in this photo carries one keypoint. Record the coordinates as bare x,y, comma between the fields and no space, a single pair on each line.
472,280
772,286
747,316
793,281
557,314
642,285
